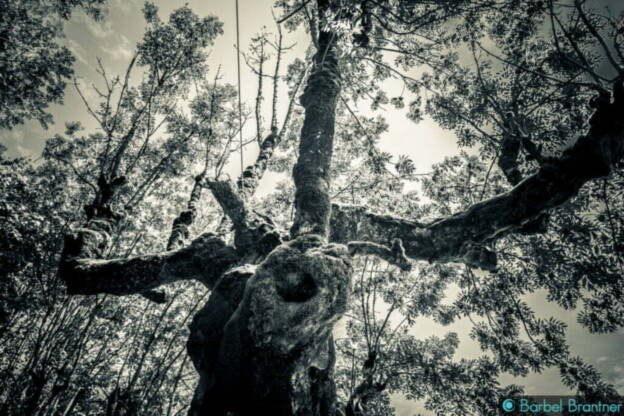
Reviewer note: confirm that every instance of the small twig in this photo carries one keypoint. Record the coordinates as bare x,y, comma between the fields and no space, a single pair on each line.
293,12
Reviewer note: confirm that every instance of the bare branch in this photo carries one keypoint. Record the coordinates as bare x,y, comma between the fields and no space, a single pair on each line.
592,29
124,87
86,103
259,94
579,53
312,26
79,175
278,59
593,86
291,103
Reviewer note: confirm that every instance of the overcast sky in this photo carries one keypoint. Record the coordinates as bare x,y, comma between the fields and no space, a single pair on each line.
113,41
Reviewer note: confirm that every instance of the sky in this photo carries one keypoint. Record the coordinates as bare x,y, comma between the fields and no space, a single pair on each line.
426,143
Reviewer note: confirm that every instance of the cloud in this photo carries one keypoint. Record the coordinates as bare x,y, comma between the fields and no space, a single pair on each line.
120,51
16,143
78,51
101,30
612,371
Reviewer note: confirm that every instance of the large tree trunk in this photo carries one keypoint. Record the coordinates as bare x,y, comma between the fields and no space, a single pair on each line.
263,342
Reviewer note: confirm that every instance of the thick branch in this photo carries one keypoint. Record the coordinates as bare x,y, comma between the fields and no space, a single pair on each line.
230,201
463,237
254,234
179,234
205,260
259,96
250,178
181,224
275,77
291,102
515,138
180,228
508,159
507,162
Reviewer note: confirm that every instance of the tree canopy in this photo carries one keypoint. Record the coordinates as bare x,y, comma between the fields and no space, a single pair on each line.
307,299
34,67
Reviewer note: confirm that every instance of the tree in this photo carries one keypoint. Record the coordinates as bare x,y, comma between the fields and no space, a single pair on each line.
103,356
263,342
34,68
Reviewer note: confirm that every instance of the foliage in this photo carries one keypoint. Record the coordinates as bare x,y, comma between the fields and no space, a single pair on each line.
34,67
107,355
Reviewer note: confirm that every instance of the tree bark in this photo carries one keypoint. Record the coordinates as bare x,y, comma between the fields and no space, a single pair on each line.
274,355
250,178
205,260
180,228
312,171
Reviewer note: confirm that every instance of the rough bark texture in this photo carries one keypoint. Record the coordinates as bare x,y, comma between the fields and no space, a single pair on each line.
94,239
275,355
394,255
179,234
250,178
515,138
205,260
207,333
254,234
262,344
367,390
180,228
311,173
508,159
